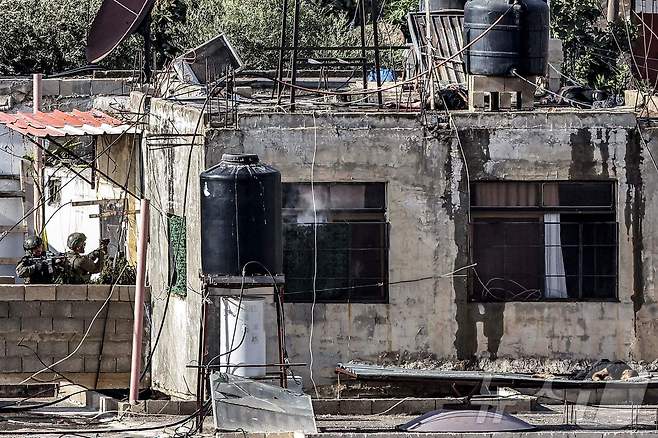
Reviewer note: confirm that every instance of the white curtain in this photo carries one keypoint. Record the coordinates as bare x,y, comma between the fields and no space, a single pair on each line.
556,282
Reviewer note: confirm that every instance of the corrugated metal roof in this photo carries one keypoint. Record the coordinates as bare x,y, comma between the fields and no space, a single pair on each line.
61,124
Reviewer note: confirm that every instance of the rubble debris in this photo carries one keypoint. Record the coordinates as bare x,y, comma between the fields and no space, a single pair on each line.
466,421
605,369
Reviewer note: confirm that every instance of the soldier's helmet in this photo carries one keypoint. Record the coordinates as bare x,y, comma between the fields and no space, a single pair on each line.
75,240
32,242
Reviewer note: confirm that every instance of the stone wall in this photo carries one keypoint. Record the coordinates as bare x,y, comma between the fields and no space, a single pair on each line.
47,322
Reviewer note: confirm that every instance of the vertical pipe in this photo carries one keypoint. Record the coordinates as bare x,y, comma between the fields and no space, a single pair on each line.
282,51
375,34
428,48
295,47
362,12
39,189
136,363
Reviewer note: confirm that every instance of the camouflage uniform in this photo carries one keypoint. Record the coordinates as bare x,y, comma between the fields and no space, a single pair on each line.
80,267
31,268
34,270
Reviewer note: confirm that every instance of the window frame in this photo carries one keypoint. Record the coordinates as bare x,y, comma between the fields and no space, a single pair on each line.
338,216
511,213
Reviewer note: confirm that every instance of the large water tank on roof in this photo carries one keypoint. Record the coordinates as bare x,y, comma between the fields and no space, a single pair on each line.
241,217
439,5
518,42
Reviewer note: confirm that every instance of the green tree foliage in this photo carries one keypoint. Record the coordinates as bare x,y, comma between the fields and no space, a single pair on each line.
49,36
595,53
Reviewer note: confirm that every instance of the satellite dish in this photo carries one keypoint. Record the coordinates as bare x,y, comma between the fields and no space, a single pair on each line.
115,21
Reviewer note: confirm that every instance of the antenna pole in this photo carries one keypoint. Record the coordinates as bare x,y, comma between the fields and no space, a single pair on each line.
39,189
145,32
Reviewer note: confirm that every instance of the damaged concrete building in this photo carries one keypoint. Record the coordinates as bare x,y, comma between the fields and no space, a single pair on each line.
506,241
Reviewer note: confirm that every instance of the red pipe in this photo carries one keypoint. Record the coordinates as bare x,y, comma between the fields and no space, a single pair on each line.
138,326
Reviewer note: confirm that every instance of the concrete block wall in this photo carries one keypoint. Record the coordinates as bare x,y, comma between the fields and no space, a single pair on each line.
47,322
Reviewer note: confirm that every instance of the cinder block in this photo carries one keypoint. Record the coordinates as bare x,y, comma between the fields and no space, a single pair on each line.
57,309
163,407
117,349
31,364
50,87
326,406
355,407
11,292
71,292
88,347
137,408
75,87
111,87
11,364
126,293
121,311
9,325
24,309
4,309
187,407
107,365
40,292
3,348
96,330
68,325
86,310
36,325
53,348
123,328
72,364
14,349
99,292
124,364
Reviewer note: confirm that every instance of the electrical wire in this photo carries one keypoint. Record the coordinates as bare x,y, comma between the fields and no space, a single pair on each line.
315,254
84,337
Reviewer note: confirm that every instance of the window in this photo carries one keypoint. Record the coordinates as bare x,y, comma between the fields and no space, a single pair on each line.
54,190
543,241
352,242
177,255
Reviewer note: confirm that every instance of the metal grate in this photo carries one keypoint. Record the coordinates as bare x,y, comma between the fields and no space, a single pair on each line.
447,39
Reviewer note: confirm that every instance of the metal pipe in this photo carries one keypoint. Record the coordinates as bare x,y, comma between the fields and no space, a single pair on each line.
375,35
295,51
362,12
282,43
428,47
39,189
138,324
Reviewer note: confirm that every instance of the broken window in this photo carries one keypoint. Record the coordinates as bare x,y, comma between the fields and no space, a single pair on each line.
351,243
177,254
543,241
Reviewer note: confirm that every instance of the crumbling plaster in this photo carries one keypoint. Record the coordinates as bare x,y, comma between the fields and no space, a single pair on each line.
422,162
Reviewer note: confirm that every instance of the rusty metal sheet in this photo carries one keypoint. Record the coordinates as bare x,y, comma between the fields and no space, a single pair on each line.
62,124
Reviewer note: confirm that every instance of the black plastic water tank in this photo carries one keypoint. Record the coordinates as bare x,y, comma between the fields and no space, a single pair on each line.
519,42
241,217
535,35
499,50
438,5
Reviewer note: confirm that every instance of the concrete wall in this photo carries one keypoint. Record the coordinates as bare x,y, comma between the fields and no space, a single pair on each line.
50,321
422,162
165,180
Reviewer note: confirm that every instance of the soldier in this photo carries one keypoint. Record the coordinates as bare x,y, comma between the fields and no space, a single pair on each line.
81,266
34,267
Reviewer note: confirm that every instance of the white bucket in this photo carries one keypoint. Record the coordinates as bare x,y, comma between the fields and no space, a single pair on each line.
245,340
